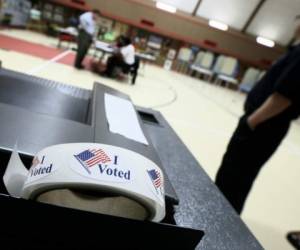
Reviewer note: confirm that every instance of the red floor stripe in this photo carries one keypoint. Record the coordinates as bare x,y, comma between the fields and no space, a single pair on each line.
37,50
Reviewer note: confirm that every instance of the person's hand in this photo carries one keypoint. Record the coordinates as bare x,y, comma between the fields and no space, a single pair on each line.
251,123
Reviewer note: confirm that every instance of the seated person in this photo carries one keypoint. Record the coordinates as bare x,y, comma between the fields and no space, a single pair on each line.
123,58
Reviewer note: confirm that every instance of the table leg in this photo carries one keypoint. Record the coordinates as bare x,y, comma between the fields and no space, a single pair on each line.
102,56
143,63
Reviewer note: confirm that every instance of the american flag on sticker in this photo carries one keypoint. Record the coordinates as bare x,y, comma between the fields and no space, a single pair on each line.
155,178
90,158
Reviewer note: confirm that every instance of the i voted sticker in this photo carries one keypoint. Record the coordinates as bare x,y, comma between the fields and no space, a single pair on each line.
101,165
40,168
155,182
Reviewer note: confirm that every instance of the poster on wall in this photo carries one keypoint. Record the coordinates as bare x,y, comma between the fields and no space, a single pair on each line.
17,10
155,42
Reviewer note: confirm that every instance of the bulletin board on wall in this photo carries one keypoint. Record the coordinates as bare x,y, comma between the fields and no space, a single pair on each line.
58,13
15,12
54,13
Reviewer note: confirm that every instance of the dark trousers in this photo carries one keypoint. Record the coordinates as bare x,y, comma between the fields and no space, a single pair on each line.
84,42
247,152
113,62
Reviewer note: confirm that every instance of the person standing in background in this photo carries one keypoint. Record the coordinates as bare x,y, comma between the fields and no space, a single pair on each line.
269,109
87,33
294,239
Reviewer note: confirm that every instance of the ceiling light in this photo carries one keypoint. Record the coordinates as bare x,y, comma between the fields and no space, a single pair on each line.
166,7
218,25
265,41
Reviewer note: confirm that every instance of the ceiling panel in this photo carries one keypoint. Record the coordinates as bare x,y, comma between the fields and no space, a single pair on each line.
184,5
275,20
234,13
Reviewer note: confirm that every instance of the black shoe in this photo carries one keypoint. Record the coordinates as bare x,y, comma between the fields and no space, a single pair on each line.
79,66
294,239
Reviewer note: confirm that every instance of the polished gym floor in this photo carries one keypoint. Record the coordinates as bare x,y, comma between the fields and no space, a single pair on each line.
203,115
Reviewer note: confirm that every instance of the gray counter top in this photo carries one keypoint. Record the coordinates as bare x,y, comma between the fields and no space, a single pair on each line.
201,205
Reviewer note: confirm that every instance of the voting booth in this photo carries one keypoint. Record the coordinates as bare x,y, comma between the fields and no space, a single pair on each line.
87,169
87,153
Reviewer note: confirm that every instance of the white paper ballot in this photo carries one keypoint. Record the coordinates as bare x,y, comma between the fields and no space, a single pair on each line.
122,118
104,46
15,175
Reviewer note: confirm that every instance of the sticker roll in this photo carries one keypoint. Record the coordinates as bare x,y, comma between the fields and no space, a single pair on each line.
95,202
90,167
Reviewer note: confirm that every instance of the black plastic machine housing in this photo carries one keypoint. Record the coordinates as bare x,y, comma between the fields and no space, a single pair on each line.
37,113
